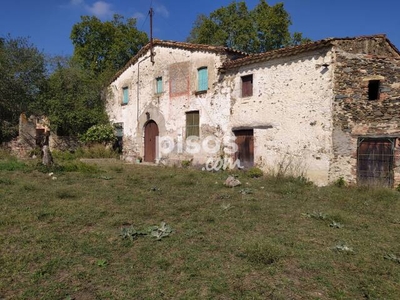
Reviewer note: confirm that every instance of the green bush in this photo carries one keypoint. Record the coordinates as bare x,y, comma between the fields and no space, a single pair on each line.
255,172
102,134
340,182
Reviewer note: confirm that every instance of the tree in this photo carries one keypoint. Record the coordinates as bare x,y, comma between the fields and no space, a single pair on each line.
74,95
73,100
262,29
22,77
106,46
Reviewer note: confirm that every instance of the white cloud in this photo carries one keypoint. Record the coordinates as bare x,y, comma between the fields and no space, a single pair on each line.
99,9
162,10
138,16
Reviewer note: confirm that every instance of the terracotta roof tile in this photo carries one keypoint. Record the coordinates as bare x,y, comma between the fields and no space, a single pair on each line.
180,45
289,51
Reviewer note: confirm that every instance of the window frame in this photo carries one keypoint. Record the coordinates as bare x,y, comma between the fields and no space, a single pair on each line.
192,123
202,79
247,85
125,95
159,85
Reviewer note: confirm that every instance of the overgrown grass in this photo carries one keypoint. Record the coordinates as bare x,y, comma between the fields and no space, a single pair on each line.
94,151
267,239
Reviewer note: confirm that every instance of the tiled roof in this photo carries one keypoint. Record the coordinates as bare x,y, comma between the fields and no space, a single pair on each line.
244,58
289,51
180,45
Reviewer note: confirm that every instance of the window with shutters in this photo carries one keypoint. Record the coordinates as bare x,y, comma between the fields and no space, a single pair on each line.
192,123
159,85
125,95
202,74
247,86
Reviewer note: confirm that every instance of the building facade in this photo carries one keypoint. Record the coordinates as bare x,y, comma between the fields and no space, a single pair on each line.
324,110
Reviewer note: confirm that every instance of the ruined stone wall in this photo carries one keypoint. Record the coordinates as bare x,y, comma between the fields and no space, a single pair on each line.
289,112
374,45
355,115
63,143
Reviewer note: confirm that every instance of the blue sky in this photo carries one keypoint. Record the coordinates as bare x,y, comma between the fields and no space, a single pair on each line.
48,23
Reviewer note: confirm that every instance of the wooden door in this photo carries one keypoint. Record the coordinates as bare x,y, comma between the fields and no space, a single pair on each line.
150,139
245,142
375,161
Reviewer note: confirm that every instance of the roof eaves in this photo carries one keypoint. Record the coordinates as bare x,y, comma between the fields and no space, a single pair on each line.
175,44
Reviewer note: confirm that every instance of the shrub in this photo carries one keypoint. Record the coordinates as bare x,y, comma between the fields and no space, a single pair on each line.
255,172
340,182
102,134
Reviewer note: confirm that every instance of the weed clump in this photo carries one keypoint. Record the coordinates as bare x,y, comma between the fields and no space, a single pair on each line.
255,172
262,252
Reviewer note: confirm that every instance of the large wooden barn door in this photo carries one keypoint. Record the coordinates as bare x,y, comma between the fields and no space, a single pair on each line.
375,161
245,142
150,138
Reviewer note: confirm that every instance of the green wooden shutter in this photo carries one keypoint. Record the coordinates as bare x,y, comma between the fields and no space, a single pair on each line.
125,98
159,85
203,79
192,123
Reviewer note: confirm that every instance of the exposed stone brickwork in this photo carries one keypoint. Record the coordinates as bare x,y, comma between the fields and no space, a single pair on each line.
354,115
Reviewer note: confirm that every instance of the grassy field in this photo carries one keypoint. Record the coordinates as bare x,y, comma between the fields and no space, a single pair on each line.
270,238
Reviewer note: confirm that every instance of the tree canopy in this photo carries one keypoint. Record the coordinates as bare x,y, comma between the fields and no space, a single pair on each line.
22,77
73,100
74,97
101,46
262,29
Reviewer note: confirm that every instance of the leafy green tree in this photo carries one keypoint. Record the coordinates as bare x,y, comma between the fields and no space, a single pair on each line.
73,100
106,46
262,29
74,97
22,77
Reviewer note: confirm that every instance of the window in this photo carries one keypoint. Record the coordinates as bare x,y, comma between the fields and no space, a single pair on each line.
125,95
159,85
247,86
192,123
202,75
373,89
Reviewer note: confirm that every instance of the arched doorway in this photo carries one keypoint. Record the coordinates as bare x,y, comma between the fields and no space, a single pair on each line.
150,135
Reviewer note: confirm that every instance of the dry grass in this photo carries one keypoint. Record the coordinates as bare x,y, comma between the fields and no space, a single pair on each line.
61,237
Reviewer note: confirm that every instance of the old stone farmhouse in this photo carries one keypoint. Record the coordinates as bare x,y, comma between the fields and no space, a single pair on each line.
327,109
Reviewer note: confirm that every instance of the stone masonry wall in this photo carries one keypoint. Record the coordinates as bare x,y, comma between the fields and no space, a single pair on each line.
289,111
356,116
178,69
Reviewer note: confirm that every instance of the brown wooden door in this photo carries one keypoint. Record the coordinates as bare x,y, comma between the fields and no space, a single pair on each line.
245,142
150,135
375,161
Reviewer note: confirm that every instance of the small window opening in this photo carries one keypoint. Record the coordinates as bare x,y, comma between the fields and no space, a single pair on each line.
125,95
192,123
373,89
247,86
159,85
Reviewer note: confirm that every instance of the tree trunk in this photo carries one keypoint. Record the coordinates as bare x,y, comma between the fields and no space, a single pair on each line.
47,159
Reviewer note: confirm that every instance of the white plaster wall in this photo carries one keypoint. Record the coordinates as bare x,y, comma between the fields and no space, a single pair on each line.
290,111
171,111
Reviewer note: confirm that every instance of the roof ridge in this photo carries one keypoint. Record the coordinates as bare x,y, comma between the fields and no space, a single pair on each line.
170,43
286,51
